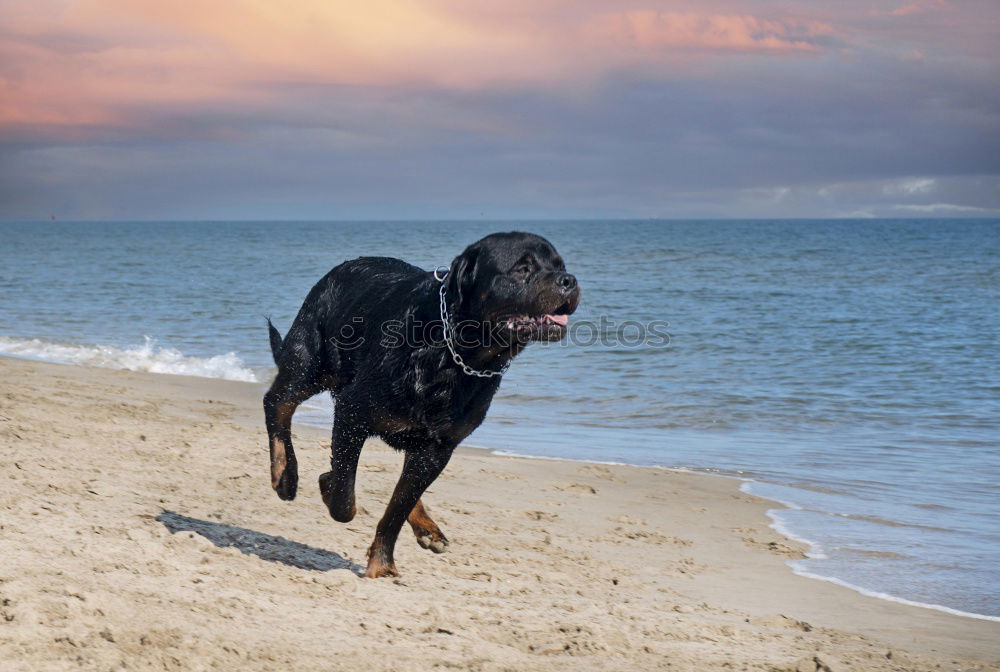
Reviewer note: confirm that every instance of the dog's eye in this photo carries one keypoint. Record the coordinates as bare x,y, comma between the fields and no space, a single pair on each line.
522,270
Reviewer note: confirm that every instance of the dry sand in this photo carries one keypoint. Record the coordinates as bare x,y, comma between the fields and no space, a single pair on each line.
139,531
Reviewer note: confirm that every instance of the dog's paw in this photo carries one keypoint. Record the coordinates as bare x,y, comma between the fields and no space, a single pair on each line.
433,541
381,571
380,567
288,483
341,509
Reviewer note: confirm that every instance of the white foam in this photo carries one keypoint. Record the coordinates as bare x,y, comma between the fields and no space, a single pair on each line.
145,357
815,551
747,487
797,569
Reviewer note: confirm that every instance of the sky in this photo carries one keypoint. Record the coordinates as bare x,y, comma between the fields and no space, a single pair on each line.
521,109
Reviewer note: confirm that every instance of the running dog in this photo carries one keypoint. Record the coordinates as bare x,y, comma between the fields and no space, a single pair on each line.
413,357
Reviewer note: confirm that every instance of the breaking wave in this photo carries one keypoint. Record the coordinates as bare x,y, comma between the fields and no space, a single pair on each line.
145,357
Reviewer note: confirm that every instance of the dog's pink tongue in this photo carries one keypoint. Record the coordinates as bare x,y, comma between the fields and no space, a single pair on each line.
559,319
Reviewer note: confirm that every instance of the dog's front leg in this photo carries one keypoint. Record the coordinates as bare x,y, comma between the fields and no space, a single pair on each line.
419,471
337,485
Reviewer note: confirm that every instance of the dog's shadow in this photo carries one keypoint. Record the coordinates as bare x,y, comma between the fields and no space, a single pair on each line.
264,546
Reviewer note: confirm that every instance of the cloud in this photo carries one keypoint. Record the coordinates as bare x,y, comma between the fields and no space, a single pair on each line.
920,7
940,207
322,108
91,63
653,30
910,186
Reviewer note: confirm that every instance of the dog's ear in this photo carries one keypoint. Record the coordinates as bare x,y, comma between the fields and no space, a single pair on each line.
462,276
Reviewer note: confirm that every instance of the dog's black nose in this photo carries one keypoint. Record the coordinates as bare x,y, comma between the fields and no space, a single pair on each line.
565,281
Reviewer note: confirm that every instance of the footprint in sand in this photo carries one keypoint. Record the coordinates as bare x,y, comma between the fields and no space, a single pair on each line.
781,621
541,515
620,534
501,475
774,547
579,488
599,471
628,520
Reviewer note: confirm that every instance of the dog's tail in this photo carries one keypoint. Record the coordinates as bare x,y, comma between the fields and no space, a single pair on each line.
275,337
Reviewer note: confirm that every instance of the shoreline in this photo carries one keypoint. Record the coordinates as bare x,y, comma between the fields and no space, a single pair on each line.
777,525
636,549
166,361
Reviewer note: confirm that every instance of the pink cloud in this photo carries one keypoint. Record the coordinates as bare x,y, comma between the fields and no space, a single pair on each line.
648,29
920,7
84,62
95,62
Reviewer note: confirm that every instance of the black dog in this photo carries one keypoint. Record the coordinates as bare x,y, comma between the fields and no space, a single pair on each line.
362,333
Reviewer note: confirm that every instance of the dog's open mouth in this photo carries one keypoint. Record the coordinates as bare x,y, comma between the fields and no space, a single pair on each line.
547,327
525,322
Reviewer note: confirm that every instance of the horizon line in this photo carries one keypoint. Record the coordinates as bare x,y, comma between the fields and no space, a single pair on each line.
459,220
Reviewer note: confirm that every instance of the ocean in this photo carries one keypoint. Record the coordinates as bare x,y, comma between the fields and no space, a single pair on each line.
849,370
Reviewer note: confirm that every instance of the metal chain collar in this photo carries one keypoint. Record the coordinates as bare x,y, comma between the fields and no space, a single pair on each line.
450,341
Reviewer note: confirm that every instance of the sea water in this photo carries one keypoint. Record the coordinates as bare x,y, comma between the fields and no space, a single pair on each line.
848,369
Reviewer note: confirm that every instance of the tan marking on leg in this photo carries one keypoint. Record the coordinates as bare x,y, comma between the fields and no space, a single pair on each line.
278,461
378,567
428,534
418,517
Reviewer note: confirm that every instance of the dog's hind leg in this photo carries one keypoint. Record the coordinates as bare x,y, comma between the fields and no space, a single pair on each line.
419,471
429,535
337,485
280,402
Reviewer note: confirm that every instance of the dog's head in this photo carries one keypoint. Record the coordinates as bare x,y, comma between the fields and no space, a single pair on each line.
517,283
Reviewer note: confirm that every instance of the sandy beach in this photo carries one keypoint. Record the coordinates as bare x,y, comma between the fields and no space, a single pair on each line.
139,531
